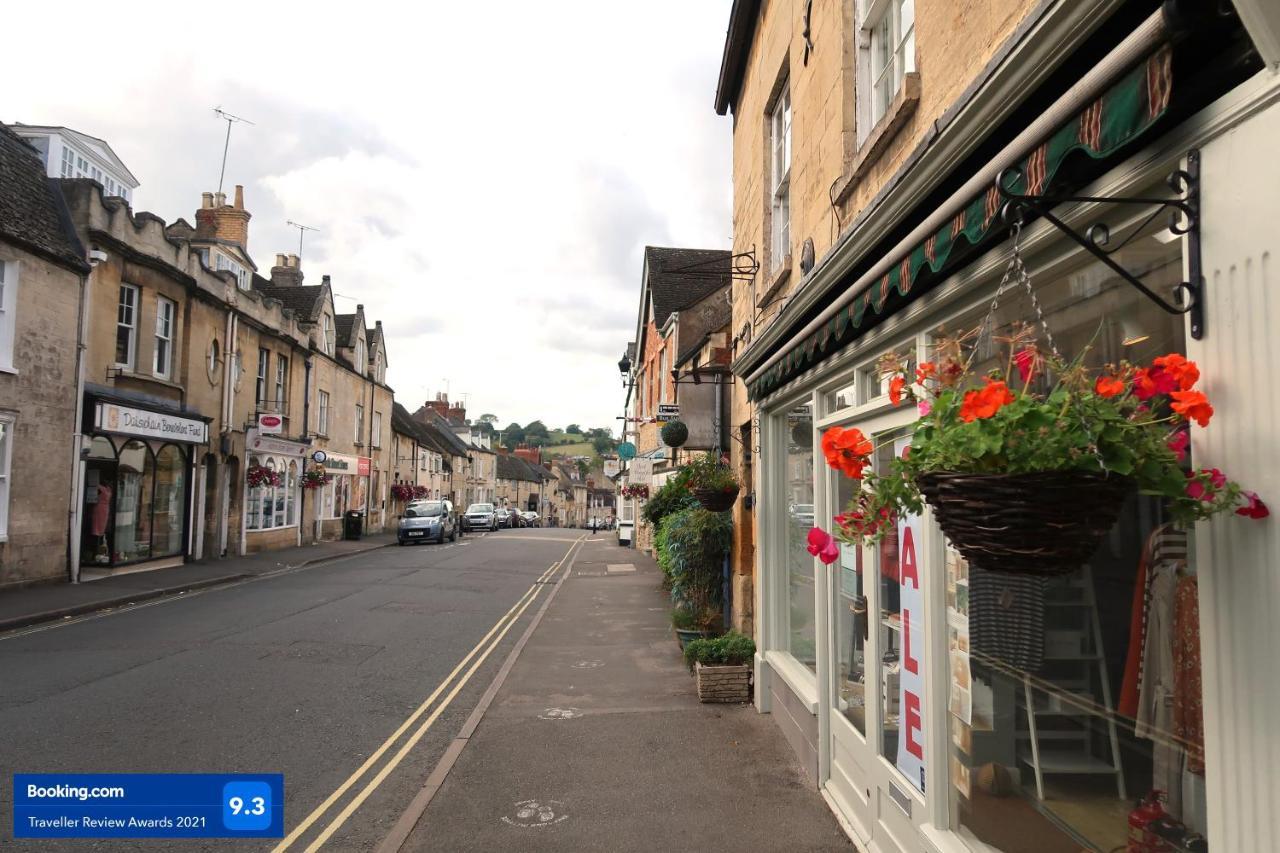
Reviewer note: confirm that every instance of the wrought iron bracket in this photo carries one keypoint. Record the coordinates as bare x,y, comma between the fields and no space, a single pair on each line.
743,266
1184,220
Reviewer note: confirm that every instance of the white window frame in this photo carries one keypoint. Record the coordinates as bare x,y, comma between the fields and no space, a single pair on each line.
322,420
359,423
131,325
8,314
326,341
68,161
887,54
282,381
780,177
6,461
375,439
260,385
166,320
362,357
280,517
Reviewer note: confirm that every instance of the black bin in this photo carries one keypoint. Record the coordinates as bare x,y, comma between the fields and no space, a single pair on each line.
353,524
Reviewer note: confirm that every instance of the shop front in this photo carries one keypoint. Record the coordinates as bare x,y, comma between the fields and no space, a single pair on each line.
137,486
947,708
273,491
346,490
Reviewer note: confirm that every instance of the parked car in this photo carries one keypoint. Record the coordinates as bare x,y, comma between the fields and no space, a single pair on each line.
530,518
427,520
480,517
504,517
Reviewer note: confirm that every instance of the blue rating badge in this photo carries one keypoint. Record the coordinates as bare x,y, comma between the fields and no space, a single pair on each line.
145,805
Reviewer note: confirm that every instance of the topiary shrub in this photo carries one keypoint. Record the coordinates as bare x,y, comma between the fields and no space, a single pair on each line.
674,433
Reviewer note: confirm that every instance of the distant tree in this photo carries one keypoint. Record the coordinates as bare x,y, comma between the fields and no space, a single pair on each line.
583,468
537,440
536,428
602,444
488,419
599,432
573,429
513,435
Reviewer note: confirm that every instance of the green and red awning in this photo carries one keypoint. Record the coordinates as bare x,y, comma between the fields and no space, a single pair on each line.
1121,114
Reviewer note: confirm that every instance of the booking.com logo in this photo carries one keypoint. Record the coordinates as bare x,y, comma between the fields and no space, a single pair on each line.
72,792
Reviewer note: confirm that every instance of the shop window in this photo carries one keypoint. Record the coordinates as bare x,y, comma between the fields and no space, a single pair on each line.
135,478
798,496
169,502
1071,697
851,620
269,507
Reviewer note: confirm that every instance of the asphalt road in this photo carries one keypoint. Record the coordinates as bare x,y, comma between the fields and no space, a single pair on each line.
306,674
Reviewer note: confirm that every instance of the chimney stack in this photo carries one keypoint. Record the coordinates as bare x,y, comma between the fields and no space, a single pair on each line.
287,272
216,220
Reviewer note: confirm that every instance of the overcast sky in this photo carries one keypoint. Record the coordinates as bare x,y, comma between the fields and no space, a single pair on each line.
484,175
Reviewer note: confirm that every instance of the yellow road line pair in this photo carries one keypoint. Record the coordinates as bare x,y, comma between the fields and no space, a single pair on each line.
489,642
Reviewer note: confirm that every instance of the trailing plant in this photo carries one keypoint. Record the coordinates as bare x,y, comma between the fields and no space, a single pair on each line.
638,491
673,496
315,478
402,492
259,476
709,472
731,649
1037,414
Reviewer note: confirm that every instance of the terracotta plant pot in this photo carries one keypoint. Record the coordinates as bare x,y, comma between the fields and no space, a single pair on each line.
1044,524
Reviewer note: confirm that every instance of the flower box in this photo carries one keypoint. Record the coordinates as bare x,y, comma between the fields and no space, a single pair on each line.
723,683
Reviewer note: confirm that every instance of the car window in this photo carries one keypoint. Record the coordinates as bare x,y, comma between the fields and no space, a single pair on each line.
424,510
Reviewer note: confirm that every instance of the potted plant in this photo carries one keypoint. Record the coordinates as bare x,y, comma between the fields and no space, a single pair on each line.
1026,467
692,545
674,433
402,492
692,623
315,478
259,476
712,483
722,667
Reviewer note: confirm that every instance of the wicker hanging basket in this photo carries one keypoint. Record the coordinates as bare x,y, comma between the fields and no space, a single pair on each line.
1044,524
716,500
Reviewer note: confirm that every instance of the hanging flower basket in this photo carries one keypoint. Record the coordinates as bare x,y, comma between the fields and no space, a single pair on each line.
315,478
420,492
717,500
258,477
675,434
637,491
402,492
1033,524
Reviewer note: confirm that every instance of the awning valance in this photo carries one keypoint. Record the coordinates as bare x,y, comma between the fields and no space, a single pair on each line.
1120,115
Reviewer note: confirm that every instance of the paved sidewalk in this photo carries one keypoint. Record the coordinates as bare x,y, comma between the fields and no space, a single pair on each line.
597,742
47,602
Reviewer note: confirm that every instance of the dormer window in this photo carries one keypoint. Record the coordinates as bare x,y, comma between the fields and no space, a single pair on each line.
362,360
326,340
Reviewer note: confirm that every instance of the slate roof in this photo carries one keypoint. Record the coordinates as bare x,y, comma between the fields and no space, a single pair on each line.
515,468
343,324
403,423
439,430
32,212
679,278
300,299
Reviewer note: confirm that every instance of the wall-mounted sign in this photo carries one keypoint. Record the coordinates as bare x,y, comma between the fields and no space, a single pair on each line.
611,468
626,450
641,472
341,464
668,411
257,442
270,424
319,456
110,417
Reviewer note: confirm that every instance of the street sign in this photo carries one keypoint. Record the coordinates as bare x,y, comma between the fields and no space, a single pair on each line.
641,472
626,450
668,411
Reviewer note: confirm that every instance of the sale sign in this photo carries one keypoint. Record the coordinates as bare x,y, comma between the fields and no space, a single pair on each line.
910,759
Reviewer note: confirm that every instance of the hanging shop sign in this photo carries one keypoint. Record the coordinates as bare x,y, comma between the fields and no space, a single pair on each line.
339,463
668,411
641,471
269,424
259,443
910,759
125,420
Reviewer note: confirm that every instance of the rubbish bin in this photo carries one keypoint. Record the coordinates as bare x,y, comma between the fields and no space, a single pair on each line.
353,524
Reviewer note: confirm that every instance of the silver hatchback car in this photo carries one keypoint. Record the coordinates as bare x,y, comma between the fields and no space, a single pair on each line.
427,521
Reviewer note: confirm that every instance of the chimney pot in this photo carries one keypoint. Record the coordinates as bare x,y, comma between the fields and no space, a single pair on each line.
206,200
359,307
294,262
239,197
280,261
219,199
324,279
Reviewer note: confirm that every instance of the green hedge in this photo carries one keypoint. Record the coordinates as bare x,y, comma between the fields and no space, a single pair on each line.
732,648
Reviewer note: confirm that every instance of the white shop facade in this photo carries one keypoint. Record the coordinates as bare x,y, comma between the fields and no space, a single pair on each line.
943,709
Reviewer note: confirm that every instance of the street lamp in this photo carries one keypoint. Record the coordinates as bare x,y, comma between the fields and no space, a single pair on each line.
624,367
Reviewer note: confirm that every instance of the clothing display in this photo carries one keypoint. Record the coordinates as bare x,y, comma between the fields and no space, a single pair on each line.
1165,543
1006,617
1188,707
101,511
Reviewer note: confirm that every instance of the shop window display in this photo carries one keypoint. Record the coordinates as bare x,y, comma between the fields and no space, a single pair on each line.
1072,697
271,506
851,622
799,494
135,499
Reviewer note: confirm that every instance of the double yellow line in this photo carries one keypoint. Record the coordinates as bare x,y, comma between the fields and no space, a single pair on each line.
479,653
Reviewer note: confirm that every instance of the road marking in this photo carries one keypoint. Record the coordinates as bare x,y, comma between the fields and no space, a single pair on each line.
534,814
560,714
587,664
509,536
391,765
507,618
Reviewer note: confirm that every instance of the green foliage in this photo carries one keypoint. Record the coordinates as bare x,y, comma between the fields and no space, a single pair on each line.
684,619
488,419
671,498
573,429
731,649
674,433
602,444
513,435
693,548
709,472
536,429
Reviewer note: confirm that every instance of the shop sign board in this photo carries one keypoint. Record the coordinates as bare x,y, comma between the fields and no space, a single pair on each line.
611,468
668,411
259,443
910,758
641,472
269,424
340,463
126,420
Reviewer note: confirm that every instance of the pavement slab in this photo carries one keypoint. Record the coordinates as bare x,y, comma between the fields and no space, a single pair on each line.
596,741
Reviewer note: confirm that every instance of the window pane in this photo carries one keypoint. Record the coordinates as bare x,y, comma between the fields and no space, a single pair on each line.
798,484
850,617
169,502
136,474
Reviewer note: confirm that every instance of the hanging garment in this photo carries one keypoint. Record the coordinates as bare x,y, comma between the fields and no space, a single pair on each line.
101,510
1154,717
1006,617
1165,543
1188,704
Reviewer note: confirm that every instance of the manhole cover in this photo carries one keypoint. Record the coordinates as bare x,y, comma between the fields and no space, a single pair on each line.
560,714
531,814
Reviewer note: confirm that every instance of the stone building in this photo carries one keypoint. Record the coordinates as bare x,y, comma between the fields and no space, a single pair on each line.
868,138
43,270
521,485
417,459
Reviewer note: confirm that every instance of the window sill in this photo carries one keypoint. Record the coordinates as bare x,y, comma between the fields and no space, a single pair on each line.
126,373
270,529
902,108
797,677
12,371
776,281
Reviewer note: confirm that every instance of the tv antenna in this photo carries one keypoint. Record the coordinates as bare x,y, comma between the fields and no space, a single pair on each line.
230,120
302,230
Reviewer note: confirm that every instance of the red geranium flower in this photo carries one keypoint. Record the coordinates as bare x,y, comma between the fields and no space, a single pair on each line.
822,546
1253,507
1108,386
846,450
1178,443
926,370
1192,405
895,389
1183,372
985,403
1150,381
1025,361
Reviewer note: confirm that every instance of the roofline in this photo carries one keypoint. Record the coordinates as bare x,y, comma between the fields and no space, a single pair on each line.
737,44
71,131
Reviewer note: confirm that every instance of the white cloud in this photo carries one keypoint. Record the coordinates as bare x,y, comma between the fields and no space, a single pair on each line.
484,177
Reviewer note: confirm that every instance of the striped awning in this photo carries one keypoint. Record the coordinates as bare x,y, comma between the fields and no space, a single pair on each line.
1120,115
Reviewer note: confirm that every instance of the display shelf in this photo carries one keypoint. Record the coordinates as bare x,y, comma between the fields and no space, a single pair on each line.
1067,762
